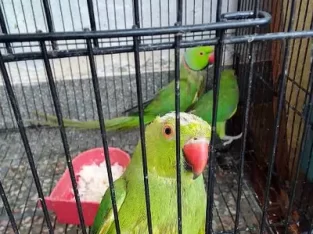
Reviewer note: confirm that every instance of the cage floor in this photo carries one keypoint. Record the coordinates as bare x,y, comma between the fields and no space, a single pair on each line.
50,162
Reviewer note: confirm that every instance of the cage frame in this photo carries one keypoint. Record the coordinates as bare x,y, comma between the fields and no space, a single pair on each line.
234,20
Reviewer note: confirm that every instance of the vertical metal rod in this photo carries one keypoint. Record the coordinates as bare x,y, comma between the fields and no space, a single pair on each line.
245,123
282,23
20,124
178,38
95,82
236,46
4,31
179,15
8,209
161,40
260,56
168,39
58,112
49,21
119,56
136,14
256,9
142,132
152,58
92,20
218,54
281,101
141,116
128,61
144,53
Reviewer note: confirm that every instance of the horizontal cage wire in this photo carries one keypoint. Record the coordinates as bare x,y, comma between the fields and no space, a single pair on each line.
68,69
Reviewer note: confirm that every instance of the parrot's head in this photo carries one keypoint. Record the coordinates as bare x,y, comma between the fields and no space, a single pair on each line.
195,136
199,58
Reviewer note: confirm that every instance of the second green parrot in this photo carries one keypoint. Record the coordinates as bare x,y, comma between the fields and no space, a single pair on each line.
192,84
195,135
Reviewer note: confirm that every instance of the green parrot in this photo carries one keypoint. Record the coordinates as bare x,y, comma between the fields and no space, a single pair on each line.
192,84
227,105
161,164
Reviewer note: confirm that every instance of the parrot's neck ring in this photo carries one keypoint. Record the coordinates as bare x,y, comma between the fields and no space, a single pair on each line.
185,64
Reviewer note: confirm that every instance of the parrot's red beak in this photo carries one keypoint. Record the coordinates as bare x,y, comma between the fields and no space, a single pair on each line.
196,153
211,58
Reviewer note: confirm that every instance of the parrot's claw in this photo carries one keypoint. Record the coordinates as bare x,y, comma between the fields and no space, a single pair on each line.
230,139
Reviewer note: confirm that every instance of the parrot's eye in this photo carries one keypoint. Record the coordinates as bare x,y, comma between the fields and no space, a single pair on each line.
168,131
201,53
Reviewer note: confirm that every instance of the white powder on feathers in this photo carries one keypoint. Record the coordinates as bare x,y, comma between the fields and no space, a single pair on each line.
93,180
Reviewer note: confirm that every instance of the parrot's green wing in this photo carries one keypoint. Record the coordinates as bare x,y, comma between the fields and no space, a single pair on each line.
134,109
204,107
164,102
227,101
105,217
202,86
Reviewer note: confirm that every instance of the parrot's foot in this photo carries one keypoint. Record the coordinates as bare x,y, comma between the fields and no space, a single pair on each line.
230,139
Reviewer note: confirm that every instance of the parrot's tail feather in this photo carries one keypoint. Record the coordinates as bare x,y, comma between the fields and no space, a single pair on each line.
75,124
52,121
53,118
119,123
41,123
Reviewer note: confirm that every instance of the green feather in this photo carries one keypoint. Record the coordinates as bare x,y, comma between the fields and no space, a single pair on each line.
105,216
227,102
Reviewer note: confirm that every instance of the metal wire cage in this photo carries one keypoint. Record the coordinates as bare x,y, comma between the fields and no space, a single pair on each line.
95,59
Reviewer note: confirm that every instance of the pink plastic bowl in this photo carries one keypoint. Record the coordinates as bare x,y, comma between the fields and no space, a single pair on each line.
61,200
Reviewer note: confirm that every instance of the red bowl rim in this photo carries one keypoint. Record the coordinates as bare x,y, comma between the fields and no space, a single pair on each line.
52,199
